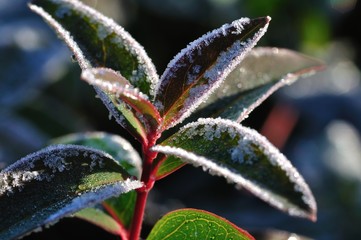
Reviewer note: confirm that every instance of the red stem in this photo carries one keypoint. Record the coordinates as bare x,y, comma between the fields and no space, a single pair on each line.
148,179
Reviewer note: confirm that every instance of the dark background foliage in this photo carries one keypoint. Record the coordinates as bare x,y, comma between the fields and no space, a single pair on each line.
316,122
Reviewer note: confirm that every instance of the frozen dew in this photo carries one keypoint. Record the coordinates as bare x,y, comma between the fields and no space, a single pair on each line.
90,198
239,25
104,26
42,165
224,65
248,142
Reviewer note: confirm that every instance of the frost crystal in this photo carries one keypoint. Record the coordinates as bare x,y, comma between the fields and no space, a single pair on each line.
242,152
42,165
105,26
215,75
91,198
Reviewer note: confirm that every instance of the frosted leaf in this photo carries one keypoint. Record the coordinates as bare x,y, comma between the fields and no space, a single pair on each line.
120,149
117,87
122,115
201,67
94,196
107,44
55,182
244,157
262,72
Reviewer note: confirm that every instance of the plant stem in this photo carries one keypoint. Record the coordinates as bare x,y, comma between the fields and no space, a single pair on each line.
142,193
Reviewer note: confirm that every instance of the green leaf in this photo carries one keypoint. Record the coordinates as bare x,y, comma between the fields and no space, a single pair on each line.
119,148
99,218
168,166
121,207
118,88
55,182
196,224
244,157
262,72
201,67
97,41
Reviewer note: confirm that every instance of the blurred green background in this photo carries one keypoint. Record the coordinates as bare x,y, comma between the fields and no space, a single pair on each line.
41,97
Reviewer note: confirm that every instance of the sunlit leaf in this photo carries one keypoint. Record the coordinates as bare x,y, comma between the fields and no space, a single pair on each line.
261,73
97,41
118,88
196,224
201,67
244,157
55,182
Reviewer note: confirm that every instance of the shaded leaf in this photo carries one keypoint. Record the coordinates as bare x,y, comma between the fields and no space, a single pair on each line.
201,67
97,41
121,207
118,88
99,218
196,224
244,157
119,148
262,72
55,182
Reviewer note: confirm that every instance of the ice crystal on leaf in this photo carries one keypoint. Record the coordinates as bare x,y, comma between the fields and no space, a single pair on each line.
191,77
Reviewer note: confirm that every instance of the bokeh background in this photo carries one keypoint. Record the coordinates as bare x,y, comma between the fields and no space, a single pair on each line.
316,122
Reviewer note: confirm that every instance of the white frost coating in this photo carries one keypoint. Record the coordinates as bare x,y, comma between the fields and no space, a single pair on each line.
65,35
206,38
225,64
53,158
211,128
239,25
109,26
113,111
15,180
112,82
124,150
289,79
93,197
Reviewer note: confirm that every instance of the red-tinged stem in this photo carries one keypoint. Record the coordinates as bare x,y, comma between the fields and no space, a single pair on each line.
148,179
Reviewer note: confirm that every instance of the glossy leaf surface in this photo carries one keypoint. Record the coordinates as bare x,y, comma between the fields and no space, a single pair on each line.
244,157
201,67
97,41
121,207
195,224
55,182
119,148
262,72
119,89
